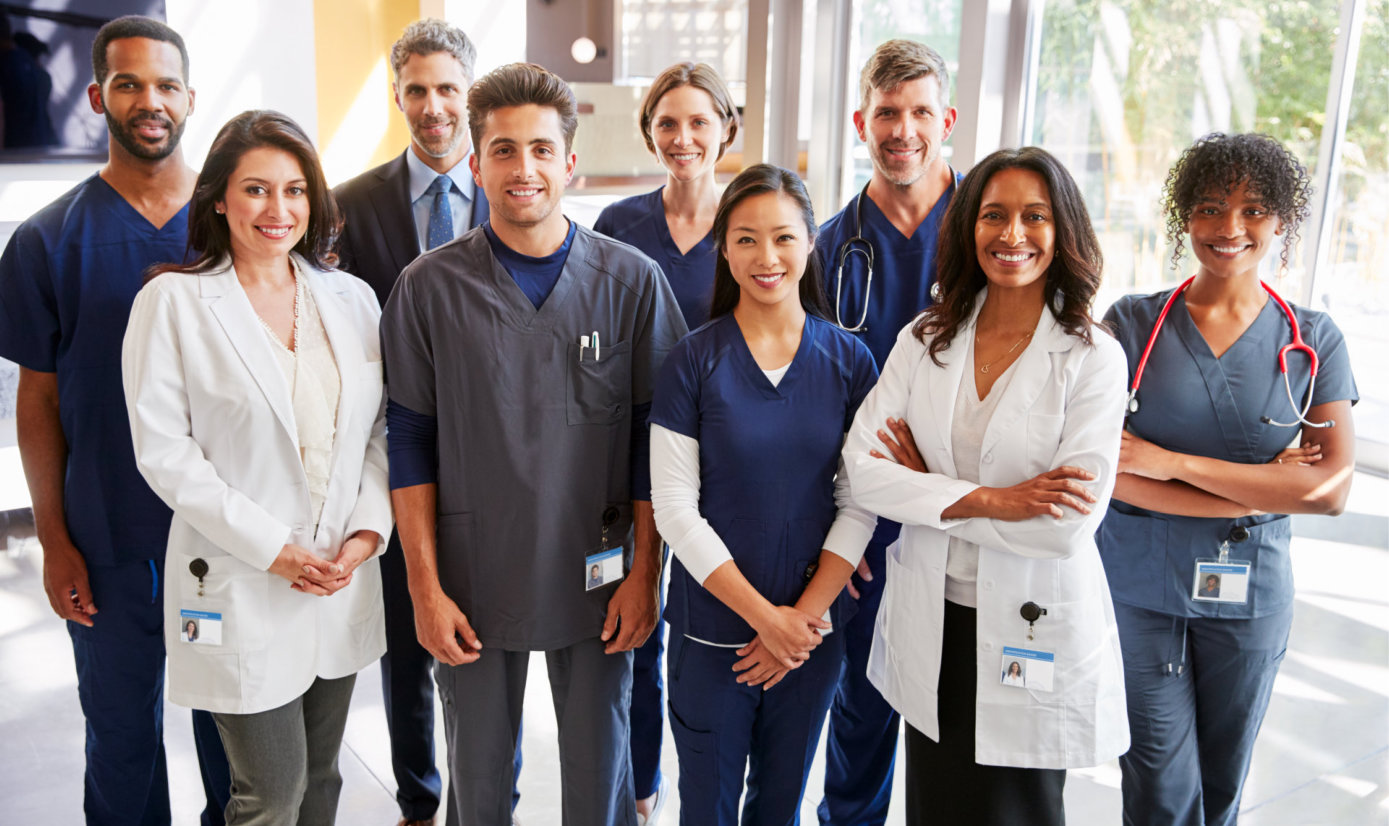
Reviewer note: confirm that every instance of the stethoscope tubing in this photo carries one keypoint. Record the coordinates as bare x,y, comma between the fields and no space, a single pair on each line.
846,251
1296,344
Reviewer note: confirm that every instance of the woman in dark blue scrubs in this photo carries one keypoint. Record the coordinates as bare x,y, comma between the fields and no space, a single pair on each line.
1206,484
687,120
747,423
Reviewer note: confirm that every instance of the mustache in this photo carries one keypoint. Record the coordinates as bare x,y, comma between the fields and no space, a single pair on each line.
151,117
423,122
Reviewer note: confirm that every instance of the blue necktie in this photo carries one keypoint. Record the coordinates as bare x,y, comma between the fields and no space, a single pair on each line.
440,214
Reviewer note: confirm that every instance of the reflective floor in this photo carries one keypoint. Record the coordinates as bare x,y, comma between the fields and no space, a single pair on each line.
1322,758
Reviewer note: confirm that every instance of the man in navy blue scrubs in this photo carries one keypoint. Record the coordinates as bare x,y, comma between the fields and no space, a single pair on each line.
904,117
67,280
412,203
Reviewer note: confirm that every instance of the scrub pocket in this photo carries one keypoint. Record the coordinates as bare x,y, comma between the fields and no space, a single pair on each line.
598,387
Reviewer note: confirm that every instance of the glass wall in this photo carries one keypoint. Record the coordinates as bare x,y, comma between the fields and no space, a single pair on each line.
1352,282
655,33
1122,86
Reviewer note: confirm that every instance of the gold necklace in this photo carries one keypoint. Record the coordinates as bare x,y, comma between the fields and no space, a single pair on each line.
985,367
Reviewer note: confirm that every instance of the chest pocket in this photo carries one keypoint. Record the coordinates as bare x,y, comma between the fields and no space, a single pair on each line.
599,388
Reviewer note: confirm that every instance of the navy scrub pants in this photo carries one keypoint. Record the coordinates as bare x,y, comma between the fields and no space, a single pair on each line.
648,700
723,729
407,692
482,724
861,745
1197,692
120,684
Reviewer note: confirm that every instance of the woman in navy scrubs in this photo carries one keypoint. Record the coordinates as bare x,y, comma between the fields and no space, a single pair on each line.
1203,470
747,422
687,120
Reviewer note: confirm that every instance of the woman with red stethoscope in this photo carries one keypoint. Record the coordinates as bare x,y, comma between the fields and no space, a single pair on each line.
1227,369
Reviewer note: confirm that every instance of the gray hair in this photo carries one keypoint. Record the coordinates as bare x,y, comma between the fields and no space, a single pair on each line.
898,61
429,36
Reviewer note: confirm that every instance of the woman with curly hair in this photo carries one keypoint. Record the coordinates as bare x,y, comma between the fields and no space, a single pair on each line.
1016,398
1206,484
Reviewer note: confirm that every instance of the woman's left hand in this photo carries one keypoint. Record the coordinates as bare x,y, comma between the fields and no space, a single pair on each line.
1143,458
902,445
758,666
334,575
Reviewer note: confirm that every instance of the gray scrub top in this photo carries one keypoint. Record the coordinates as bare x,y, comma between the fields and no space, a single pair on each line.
1192,402
534,441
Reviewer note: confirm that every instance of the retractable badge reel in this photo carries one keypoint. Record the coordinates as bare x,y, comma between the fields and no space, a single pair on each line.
1222,578
605,566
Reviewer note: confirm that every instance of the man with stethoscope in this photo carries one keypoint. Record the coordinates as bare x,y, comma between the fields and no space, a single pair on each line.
878,256
1196,543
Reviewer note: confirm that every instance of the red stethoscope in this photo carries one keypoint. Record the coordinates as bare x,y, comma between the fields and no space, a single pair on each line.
1296,344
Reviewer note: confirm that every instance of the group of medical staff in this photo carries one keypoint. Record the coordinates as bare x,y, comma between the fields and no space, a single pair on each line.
893,465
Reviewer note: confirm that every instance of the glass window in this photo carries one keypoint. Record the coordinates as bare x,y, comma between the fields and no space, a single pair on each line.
657,33
1123,86
1352,282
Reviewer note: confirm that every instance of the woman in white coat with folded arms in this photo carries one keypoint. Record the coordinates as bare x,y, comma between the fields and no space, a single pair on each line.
253,380
1001,408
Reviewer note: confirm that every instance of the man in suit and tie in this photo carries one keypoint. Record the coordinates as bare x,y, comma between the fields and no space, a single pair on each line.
415,202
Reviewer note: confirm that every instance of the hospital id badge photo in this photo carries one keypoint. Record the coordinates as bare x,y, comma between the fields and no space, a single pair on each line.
603,568
200,627
1027,668
1221,580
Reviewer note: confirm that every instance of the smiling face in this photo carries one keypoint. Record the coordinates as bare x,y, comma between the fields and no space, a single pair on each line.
144,98
266,205
767,245
1230,235
432,94
687,132
522,166
1014,231
905,129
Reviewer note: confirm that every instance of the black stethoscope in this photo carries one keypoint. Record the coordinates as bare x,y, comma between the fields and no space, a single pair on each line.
856,245
1296,344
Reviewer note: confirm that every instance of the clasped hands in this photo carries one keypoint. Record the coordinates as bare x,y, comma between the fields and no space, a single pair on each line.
314,575
785,637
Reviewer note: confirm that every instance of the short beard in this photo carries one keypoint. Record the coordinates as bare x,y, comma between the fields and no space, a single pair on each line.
142,150
458,135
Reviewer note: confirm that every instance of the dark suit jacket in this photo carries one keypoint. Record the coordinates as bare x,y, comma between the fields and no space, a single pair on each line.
378,234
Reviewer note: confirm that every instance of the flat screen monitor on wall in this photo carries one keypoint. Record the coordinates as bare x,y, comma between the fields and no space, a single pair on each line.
45,68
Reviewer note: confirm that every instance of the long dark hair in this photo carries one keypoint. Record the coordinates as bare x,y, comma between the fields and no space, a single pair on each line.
208,235
1075,268
761,179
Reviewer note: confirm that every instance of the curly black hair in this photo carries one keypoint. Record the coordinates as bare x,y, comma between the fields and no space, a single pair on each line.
1220,163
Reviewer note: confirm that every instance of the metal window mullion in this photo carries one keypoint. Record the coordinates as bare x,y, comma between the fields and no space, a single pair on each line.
1338,100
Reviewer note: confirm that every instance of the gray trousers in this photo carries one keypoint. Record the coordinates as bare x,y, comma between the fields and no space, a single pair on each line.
482,716
284,762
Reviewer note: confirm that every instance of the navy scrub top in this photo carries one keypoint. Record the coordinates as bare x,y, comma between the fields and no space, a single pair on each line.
641,221
67,280
767,459
904,268
1191,402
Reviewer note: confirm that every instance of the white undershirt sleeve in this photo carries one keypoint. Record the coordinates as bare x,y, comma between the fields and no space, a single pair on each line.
853,526
675,498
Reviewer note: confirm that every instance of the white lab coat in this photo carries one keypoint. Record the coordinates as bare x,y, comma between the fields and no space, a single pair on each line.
214,436
1062,406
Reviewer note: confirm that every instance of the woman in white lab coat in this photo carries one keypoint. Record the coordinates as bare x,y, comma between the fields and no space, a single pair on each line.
253,381
1001,408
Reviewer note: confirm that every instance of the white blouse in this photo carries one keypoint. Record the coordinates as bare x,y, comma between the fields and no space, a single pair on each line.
314,388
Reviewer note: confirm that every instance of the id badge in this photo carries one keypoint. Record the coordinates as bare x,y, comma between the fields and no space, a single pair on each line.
200,627
603,568
1221,580
1027,668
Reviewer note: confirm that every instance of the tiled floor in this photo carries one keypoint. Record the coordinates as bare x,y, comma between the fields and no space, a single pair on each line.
1323,757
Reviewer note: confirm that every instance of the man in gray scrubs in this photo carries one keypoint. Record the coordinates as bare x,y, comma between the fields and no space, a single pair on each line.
522,355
